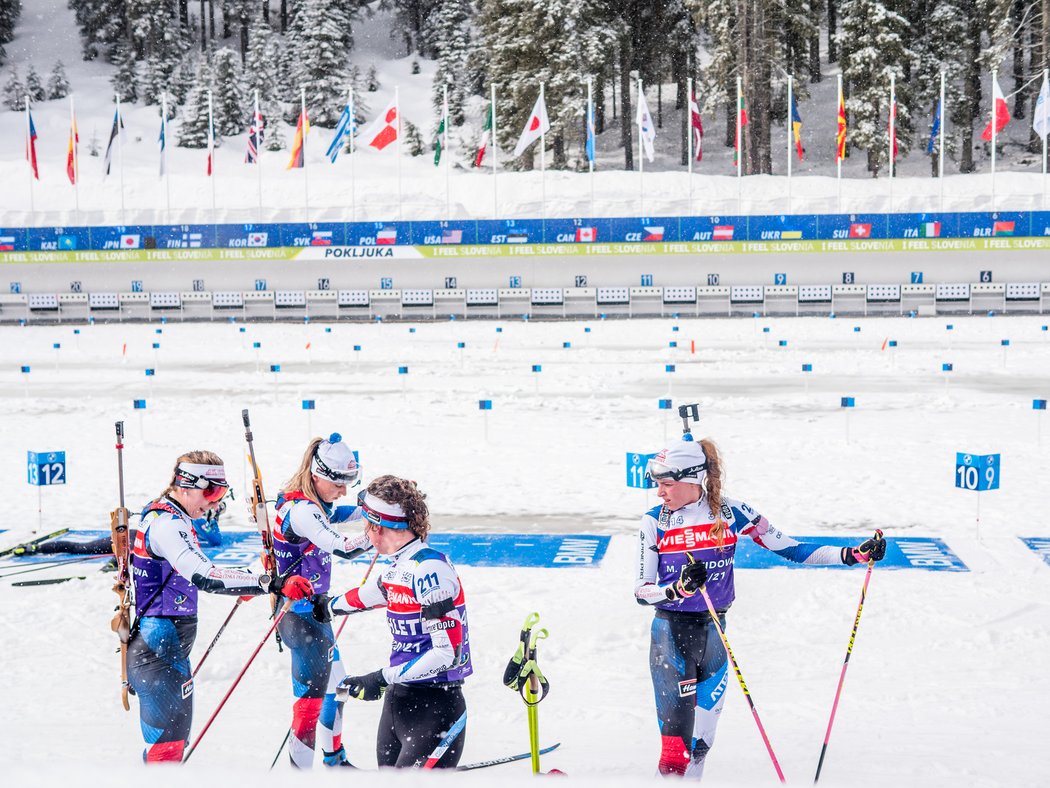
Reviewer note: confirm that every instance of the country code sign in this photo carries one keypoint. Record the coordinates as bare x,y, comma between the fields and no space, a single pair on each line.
46,468
636,470
977,471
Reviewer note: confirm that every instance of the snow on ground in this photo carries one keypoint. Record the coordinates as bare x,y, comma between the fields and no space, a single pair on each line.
948,677
369,187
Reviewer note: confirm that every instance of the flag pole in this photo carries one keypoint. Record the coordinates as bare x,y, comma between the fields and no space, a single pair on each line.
689,140
211,153
306,169
120,153
790,126
994,119
76,155
258,151
495,154
353,164
164,153
1046,79
589,127
543,159
397,112
940,143
28,154
838,153
892,130
641,151
444,145
739,145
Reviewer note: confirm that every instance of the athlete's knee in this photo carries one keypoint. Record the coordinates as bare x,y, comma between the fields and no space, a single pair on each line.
674,755
305,713
166,751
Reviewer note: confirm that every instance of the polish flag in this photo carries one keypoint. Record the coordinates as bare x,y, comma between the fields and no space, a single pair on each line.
386,236
536,126
586,234
1000,113
860,231
723,232
384,128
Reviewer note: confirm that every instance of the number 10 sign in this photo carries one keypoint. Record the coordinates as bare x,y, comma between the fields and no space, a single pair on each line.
977,471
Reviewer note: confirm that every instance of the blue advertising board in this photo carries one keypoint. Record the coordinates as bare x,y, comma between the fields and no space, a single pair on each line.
128,237
977,472
45,468
59,239
905,552
923,225
713,228
1001,224
1040,545
185,236
636,465
582,231
801,227
852,227
649,229
444,233
247,236
313,234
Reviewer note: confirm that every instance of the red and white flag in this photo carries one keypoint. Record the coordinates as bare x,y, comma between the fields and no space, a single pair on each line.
697,128
1000,112
211,135
384,128
536,126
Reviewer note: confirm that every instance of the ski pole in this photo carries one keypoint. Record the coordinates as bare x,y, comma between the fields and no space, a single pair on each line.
218,634
739,675
445,743
236,681
845,664
288,733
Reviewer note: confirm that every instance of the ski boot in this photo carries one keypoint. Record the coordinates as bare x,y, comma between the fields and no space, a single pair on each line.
337,758
29,548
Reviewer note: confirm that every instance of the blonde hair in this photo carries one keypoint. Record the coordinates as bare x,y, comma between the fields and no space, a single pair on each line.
198,457
303,479
406,495
713,489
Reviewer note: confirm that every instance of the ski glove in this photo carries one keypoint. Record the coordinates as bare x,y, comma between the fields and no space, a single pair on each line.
690,580
295,587
873,549
322,612
371,686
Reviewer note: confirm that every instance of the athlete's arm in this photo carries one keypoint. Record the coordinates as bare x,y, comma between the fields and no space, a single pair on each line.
646,589
368,596
753,525
307,521
169,538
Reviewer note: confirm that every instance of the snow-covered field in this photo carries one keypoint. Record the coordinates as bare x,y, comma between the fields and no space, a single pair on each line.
948,680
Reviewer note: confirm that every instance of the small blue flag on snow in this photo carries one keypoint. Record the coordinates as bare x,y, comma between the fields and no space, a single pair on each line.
672,343
848,402
242,328
665,404
57,346
566,344
782,342
1005,343
402,370
150,372
140,404
1039,404
893,343
484,404
256,345
275,368
807,367
946,367
25,370
357,348
309,404
669,368
461,345
156,345
537,368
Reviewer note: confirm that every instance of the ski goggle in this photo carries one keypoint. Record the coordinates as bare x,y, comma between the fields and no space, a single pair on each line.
658,471
380,513
350,477
194,477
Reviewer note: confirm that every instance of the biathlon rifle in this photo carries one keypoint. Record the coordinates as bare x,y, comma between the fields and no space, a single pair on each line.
261,517
122,586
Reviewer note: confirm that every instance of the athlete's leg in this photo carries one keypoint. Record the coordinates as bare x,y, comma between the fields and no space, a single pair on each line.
330,728
710,696
311,645
388,746
423,715
159,673
674,683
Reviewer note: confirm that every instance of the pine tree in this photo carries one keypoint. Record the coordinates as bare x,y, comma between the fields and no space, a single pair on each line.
372,80
103,25
262,63
451,28
193,131
414,23
57,83
9,12
874,44
322,63
227,102
14,92
126,80
182,80
937,50
34,87
274,139
414,140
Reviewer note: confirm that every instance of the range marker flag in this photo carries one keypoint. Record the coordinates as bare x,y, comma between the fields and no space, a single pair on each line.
31,145
947,367
25,371
807,367
484,404
665,404
536,126
150,372
114,133
344,127
275,368
139,404
669,368
537,368
309,404
1000,113
402,370
1037,404
848,402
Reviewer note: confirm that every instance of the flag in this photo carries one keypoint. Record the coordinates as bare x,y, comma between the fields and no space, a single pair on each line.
840,137
796,128
302,128
857,230
131,241
384,128
117,130
653,234
723,232
161,141
930,230
1041,113
893,126
589,147
255,138
1000,112
1002,228
71,154
586,234
31,145
437,139
344,127
451,236
697,128
387,236
211,135
791,235
742,121
483,141
935,129
646,127
536,126
321,238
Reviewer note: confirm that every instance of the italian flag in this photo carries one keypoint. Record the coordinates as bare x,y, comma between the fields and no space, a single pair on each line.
483,143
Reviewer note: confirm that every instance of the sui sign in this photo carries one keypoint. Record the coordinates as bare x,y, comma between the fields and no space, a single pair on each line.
636,464
46,468
976,471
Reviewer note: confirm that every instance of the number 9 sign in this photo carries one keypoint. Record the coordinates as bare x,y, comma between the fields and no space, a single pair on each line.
976,471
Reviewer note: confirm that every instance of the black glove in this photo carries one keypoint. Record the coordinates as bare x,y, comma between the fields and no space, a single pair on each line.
690,580
371,686
873,549
322,612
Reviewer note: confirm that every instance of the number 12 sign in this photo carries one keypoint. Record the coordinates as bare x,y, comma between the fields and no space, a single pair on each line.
636,464
977,471
46,468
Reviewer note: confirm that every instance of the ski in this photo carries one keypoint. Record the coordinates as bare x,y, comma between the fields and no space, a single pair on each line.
49,581
11,550
506,759
50,565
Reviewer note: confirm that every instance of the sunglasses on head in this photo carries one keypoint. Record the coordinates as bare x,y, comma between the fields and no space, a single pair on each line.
657,471
214,490
348,477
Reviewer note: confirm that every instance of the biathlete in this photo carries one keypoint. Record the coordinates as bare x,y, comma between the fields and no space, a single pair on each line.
304,543
686,656
168,569
426,611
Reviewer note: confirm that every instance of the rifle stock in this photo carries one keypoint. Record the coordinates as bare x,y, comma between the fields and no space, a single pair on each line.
121,623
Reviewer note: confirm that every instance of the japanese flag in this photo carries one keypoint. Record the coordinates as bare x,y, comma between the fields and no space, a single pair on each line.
384,128
537,125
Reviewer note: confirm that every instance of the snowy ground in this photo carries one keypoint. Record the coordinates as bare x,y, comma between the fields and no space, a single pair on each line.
948,679
373,186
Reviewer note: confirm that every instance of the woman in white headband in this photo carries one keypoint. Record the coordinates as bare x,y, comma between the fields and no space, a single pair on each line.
304,542
426,611
169,568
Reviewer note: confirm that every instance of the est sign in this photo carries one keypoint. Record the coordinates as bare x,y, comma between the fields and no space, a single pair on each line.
636,470
46,468
977,471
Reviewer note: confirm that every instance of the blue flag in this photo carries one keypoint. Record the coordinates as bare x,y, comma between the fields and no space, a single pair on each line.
590,131
162,142
345,126
935,131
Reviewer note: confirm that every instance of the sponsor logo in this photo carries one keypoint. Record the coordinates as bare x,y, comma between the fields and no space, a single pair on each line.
187,689
180,599
401,598
686,688
691,537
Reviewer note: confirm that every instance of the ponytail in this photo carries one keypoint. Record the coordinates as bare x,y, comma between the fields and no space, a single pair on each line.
713,489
